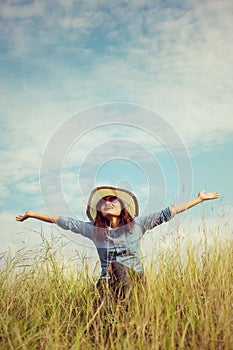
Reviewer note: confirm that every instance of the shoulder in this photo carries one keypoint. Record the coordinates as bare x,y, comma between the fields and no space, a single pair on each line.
153,219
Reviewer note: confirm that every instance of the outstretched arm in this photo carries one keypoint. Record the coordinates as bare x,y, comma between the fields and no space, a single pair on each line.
202,196
43,217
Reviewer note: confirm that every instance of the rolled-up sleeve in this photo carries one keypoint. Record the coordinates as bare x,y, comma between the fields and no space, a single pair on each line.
150,221
78,226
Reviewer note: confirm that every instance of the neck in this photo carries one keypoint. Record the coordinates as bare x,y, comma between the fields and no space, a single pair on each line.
113,221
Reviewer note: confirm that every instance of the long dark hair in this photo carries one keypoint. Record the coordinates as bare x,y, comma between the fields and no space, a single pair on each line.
101,223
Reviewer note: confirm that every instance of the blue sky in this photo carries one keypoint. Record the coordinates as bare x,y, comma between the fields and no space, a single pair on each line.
149,87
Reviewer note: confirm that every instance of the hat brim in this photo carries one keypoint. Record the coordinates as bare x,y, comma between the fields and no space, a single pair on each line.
127,197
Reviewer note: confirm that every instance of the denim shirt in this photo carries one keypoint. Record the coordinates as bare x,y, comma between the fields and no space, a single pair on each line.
123,247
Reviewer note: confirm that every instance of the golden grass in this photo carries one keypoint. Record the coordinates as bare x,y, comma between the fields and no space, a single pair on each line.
185,303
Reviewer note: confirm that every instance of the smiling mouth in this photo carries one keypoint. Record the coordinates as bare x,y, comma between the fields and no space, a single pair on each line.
109,207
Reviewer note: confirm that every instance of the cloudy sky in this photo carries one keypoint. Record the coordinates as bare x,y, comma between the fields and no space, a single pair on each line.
130,93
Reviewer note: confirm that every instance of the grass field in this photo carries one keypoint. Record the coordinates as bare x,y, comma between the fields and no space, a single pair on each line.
183,303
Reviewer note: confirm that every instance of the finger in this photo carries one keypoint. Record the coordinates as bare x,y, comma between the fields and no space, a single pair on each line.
214,194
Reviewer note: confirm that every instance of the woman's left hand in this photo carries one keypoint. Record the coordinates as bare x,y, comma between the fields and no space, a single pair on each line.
207,196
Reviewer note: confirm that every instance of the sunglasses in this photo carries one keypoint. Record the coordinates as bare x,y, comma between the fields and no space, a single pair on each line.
111,199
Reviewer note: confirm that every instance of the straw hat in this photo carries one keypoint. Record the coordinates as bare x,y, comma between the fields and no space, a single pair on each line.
128,198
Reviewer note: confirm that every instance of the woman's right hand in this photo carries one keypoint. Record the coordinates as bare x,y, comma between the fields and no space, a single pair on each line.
25,216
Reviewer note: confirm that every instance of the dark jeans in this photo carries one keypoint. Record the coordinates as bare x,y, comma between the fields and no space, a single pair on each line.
121,282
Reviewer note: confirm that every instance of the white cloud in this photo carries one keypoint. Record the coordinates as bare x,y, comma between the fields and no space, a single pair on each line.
180,76
4,193
21,11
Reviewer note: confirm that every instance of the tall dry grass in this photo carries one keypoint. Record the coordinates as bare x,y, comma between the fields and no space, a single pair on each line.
184,303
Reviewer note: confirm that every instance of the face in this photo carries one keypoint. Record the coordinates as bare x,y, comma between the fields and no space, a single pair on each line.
110,206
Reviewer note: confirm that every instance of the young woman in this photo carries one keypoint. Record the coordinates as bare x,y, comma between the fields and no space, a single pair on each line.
116,230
